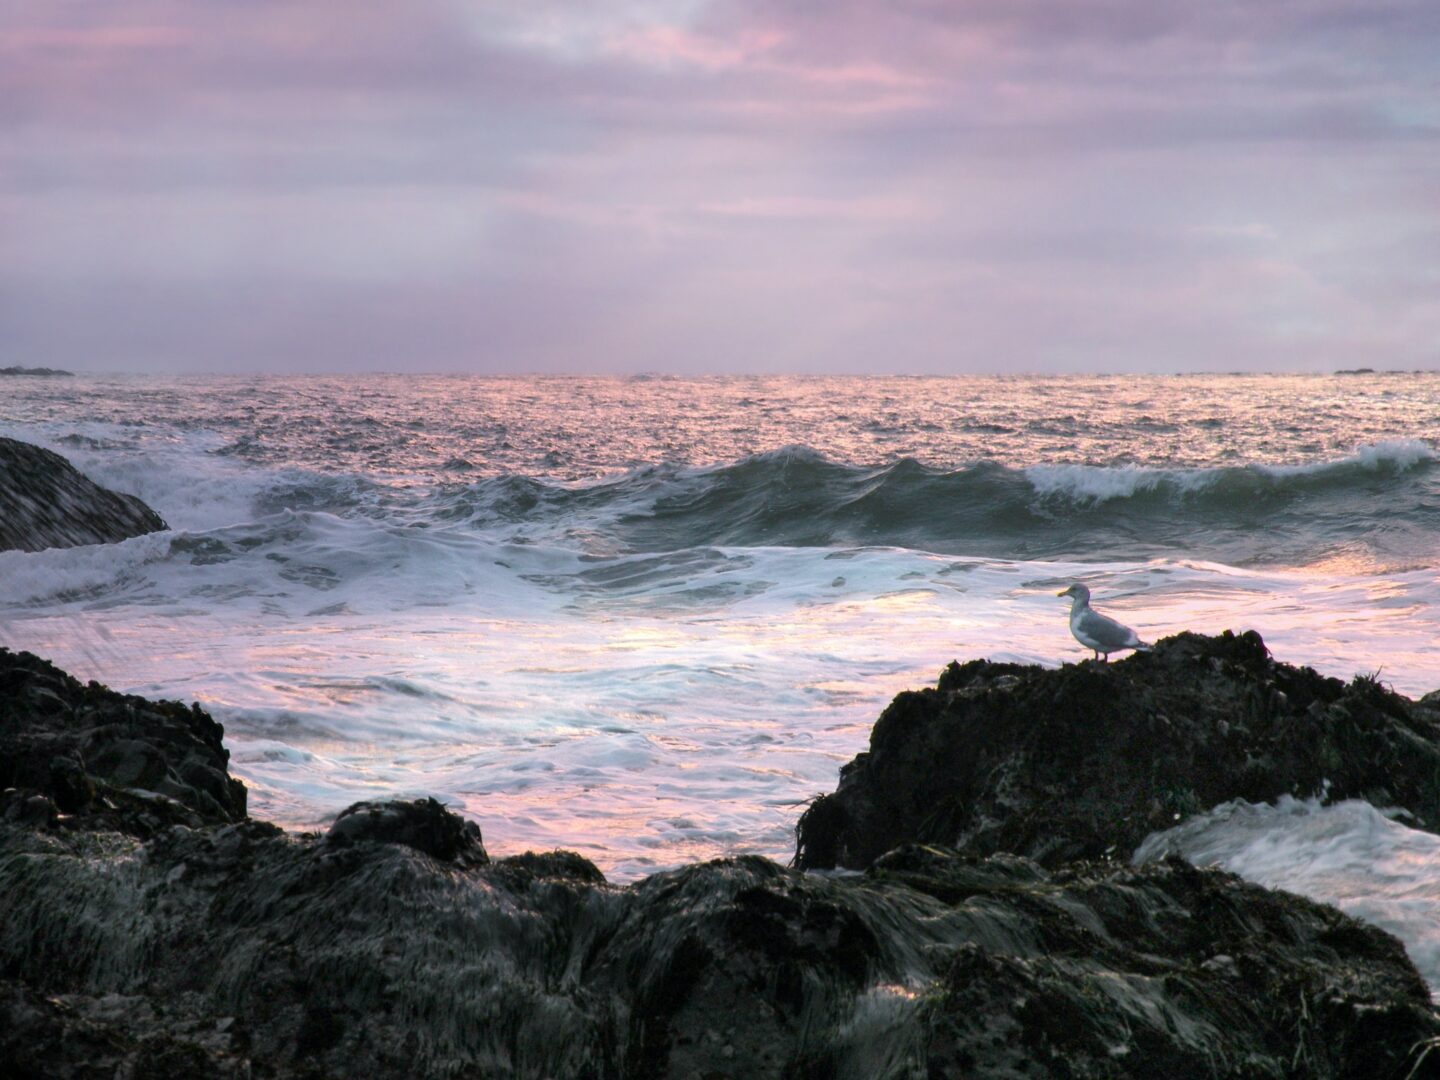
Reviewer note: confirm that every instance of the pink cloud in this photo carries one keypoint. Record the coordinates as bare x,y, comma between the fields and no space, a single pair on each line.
667,45
72,39
808,207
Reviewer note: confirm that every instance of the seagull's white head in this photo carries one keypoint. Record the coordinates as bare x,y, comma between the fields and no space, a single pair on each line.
1080,592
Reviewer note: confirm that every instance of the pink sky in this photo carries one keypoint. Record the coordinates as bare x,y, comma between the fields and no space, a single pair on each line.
716,186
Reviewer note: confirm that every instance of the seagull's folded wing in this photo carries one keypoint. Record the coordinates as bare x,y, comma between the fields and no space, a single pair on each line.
1109,633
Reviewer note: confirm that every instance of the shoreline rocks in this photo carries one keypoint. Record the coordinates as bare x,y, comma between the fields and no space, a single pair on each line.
233,948
1085,761
46,502
107,761
168,935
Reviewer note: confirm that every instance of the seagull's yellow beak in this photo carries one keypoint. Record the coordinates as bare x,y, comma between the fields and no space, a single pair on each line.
1063,592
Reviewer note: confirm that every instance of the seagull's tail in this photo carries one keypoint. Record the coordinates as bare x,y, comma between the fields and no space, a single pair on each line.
1142,646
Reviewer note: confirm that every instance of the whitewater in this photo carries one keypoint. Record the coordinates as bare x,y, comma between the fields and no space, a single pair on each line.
647,619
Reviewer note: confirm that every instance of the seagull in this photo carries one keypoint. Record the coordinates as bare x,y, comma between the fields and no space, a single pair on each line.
1096,631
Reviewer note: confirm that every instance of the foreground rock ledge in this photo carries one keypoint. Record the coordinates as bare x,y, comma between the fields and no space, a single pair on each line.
107,761
1085,761
237,950
45,503
147,936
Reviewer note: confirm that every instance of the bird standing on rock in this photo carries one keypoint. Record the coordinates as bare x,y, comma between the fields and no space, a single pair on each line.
1096,631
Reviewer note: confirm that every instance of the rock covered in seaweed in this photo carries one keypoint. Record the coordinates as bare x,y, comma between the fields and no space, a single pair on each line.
45,502
1086,760
422,824
211,951
107,760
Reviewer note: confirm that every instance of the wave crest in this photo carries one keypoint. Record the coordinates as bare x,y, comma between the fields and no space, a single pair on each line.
1101,483
795,497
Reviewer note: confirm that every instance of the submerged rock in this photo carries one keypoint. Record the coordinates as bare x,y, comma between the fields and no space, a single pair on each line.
45,502
1085,761
105,760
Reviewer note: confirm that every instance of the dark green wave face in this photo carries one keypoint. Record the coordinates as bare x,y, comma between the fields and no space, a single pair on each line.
1381,509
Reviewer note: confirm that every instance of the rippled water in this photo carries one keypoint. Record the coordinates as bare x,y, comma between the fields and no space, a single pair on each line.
435,428
648,618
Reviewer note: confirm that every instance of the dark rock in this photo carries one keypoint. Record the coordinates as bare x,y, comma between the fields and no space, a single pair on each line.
533,866
302,958
1148,972
423,824
109,760
69,784
45,502
129,763
1087,760
103,1036
46,372
31,809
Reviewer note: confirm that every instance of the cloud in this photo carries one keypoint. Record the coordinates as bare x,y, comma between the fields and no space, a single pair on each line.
719,184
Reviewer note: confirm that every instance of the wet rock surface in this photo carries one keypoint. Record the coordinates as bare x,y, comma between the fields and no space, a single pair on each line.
201,951
45,502
1085,761
423,824
87,757
392,946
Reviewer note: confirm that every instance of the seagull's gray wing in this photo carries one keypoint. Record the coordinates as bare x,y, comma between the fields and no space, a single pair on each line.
1105,631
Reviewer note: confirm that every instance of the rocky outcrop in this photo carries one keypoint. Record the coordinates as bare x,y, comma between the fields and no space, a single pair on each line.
1085,761
45,502
423,824
209,952
107,761
44,372
192,941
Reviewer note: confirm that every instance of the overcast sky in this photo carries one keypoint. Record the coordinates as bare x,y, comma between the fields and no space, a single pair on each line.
720,185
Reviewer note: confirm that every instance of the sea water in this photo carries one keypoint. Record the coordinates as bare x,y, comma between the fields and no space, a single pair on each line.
647,619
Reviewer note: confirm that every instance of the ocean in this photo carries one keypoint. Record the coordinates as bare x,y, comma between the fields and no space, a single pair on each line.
648,618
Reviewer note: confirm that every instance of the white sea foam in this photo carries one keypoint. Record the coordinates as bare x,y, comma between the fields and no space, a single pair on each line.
1403,453
1365,861
1400,454
289,565
1102,483
646,711
1097,483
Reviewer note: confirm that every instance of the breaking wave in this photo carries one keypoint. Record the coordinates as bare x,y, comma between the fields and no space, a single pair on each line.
796,498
